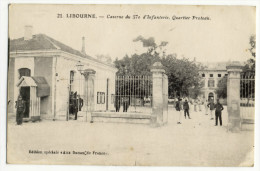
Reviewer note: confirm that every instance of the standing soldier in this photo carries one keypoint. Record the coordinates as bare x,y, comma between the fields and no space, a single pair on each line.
75,105
20,105
125,104
218,112
186,109
117,103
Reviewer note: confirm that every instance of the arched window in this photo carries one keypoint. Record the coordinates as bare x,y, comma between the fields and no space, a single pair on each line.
24,72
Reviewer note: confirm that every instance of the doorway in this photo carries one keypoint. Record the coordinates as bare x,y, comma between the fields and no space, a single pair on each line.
211,97
25,93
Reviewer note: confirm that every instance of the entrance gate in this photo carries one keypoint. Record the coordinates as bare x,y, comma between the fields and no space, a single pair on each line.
133,94
247,98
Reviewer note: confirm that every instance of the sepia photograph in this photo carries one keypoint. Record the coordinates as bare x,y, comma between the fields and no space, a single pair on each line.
131,85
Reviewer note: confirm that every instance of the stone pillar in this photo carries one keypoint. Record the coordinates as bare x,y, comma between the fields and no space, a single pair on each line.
233,94
89,104
158,113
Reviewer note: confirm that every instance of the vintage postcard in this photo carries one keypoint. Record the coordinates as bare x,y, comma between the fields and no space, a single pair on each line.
131,85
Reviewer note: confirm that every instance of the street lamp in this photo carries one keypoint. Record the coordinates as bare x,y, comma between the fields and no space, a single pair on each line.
80,68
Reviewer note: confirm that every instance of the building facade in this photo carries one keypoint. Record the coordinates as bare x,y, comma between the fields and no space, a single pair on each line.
58,65
211,75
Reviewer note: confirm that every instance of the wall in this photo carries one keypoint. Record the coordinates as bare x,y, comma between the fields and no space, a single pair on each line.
11,86
43,68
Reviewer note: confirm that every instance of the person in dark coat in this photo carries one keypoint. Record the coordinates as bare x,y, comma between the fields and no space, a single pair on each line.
125,104
117,103
218,112
20,106
186,109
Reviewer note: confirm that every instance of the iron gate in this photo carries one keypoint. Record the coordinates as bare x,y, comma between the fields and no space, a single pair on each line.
247,95
133,94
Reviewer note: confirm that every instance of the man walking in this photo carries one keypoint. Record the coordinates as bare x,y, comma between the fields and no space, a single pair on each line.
186,109
218,113
211,107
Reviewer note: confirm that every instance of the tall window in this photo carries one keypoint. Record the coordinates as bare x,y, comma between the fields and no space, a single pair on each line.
24,72
100,97
203,75
72,74
210,75
219,75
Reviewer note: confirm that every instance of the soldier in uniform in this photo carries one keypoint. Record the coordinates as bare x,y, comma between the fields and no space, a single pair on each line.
78,104
218,112
20,105
125,104
117,103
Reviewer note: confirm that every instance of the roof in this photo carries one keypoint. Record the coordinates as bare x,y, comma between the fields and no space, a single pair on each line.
44,42
218,66
26,82
43,88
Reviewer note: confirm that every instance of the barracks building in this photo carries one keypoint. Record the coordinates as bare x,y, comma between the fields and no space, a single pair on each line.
45,72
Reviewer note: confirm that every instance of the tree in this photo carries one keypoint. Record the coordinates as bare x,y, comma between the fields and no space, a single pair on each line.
249,68
183,74
222,88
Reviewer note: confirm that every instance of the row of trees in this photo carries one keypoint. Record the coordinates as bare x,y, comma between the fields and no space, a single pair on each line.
183,74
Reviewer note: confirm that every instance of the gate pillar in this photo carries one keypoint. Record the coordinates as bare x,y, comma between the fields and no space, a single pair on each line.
160,82
89,104
233,95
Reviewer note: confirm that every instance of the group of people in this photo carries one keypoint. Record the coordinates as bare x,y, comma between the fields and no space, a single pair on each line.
124,101
75,104
184,108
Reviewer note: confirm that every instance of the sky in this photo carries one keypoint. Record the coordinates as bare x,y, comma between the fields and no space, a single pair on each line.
225,37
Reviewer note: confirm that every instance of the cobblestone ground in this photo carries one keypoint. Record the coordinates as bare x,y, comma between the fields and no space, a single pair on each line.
195,142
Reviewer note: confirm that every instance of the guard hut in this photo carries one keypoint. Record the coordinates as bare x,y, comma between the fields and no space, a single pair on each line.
32,89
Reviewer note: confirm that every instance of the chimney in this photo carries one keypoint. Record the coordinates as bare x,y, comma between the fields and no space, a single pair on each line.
83,46
28,32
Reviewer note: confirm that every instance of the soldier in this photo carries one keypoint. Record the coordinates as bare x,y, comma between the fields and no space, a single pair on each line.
125,104
218,112
186,108
20,105
75,105
78,105
117,103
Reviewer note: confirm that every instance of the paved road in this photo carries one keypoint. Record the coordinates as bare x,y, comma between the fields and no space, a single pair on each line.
195,142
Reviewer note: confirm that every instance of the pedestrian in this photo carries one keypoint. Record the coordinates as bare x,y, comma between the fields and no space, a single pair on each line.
117,103
211,107
20,105
178,108
218,112
186,109
125,104
206,106
75,102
